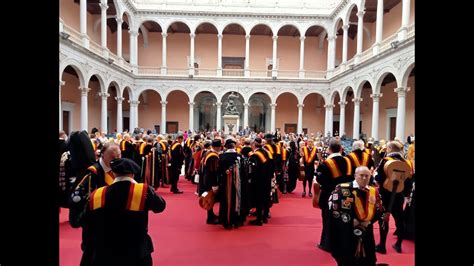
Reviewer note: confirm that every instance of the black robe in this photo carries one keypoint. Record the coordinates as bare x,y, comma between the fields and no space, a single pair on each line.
229,188
344,241
120,232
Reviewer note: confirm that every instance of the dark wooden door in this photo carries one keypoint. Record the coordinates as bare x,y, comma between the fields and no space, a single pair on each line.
66,122
172,127
126,124
290,128
393,127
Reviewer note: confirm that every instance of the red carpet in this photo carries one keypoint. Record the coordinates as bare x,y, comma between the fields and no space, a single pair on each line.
182,237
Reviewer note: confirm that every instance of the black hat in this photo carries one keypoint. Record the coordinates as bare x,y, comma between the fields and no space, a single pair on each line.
207,144
229,141
216,143
269,136
124,166
258,140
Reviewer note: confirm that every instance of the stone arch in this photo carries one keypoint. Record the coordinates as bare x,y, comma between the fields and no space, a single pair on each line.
79,71
358,91
281,91
201,22
345,91
406,74
196,93
284,24
349,10
261,23
230,23
380,78
168,92
305,30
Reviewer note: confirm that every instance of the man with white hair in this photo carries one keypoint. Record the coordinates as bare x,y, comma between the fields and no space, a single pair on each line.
354,208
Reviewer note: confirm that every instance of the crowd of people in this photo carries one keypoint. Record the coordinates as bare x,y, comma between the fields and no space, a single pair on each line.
117,178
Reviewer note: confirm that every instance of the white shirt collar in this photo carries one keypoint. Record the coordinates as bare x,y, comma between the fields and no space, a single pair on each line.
106,169
230,150
356,185
124,178
333,155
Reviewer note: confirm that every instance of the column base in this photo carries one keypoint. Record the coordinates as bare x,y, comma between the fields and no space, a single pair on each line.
274,73
219,72
85,41
301,74
191,72
105,52
357,59
376,49
247,73
402,33
164,71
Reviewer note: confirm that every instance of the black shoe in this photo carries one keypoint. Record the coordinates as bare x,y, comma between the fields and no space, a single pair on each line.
213,221
380,249
310,194
256,222
327,249
265,220
303,194
177,191
269,215
395,232
398,248
228,227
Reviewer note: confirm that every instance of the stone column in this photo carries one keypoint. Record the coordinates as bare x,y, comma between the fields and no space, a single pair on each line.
61,83
342,118
163,54
133,115
301,73
119,114
401,112
246,115
103,26
163,116
300,118
331,52
191,116
219,55
84,106
191,56
274,58
356,129
379,27
345,29
402,32
375,115
247,55
218,116
103,112
119,37
360,35
133,48
272,125
83,23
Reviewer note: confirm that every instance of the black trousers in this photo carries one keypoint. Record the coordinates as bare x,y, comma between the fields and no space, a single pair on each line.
174,176
325,232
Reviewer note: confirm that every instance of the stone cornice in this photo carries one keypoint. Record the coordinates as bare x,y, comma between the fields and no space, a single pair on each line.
338,9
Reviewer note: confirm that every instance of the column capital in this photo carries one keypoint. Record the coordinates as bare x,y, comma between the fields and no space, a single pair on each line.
247,37
300,105
332,38
302,38
357,100
273,105
191,103
84,90
345,27
103,6
164,34
62,83
246,105
361,13
104,95
164,102
218,104
119,99
342,104
119,20
275,37
134,103
192,35
134,33
329,106
219,36
376,97
402,91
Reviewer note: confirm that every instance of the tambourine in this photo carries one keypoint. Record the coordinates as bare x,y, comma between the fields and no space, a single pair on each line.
396,170
206,200
316,193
